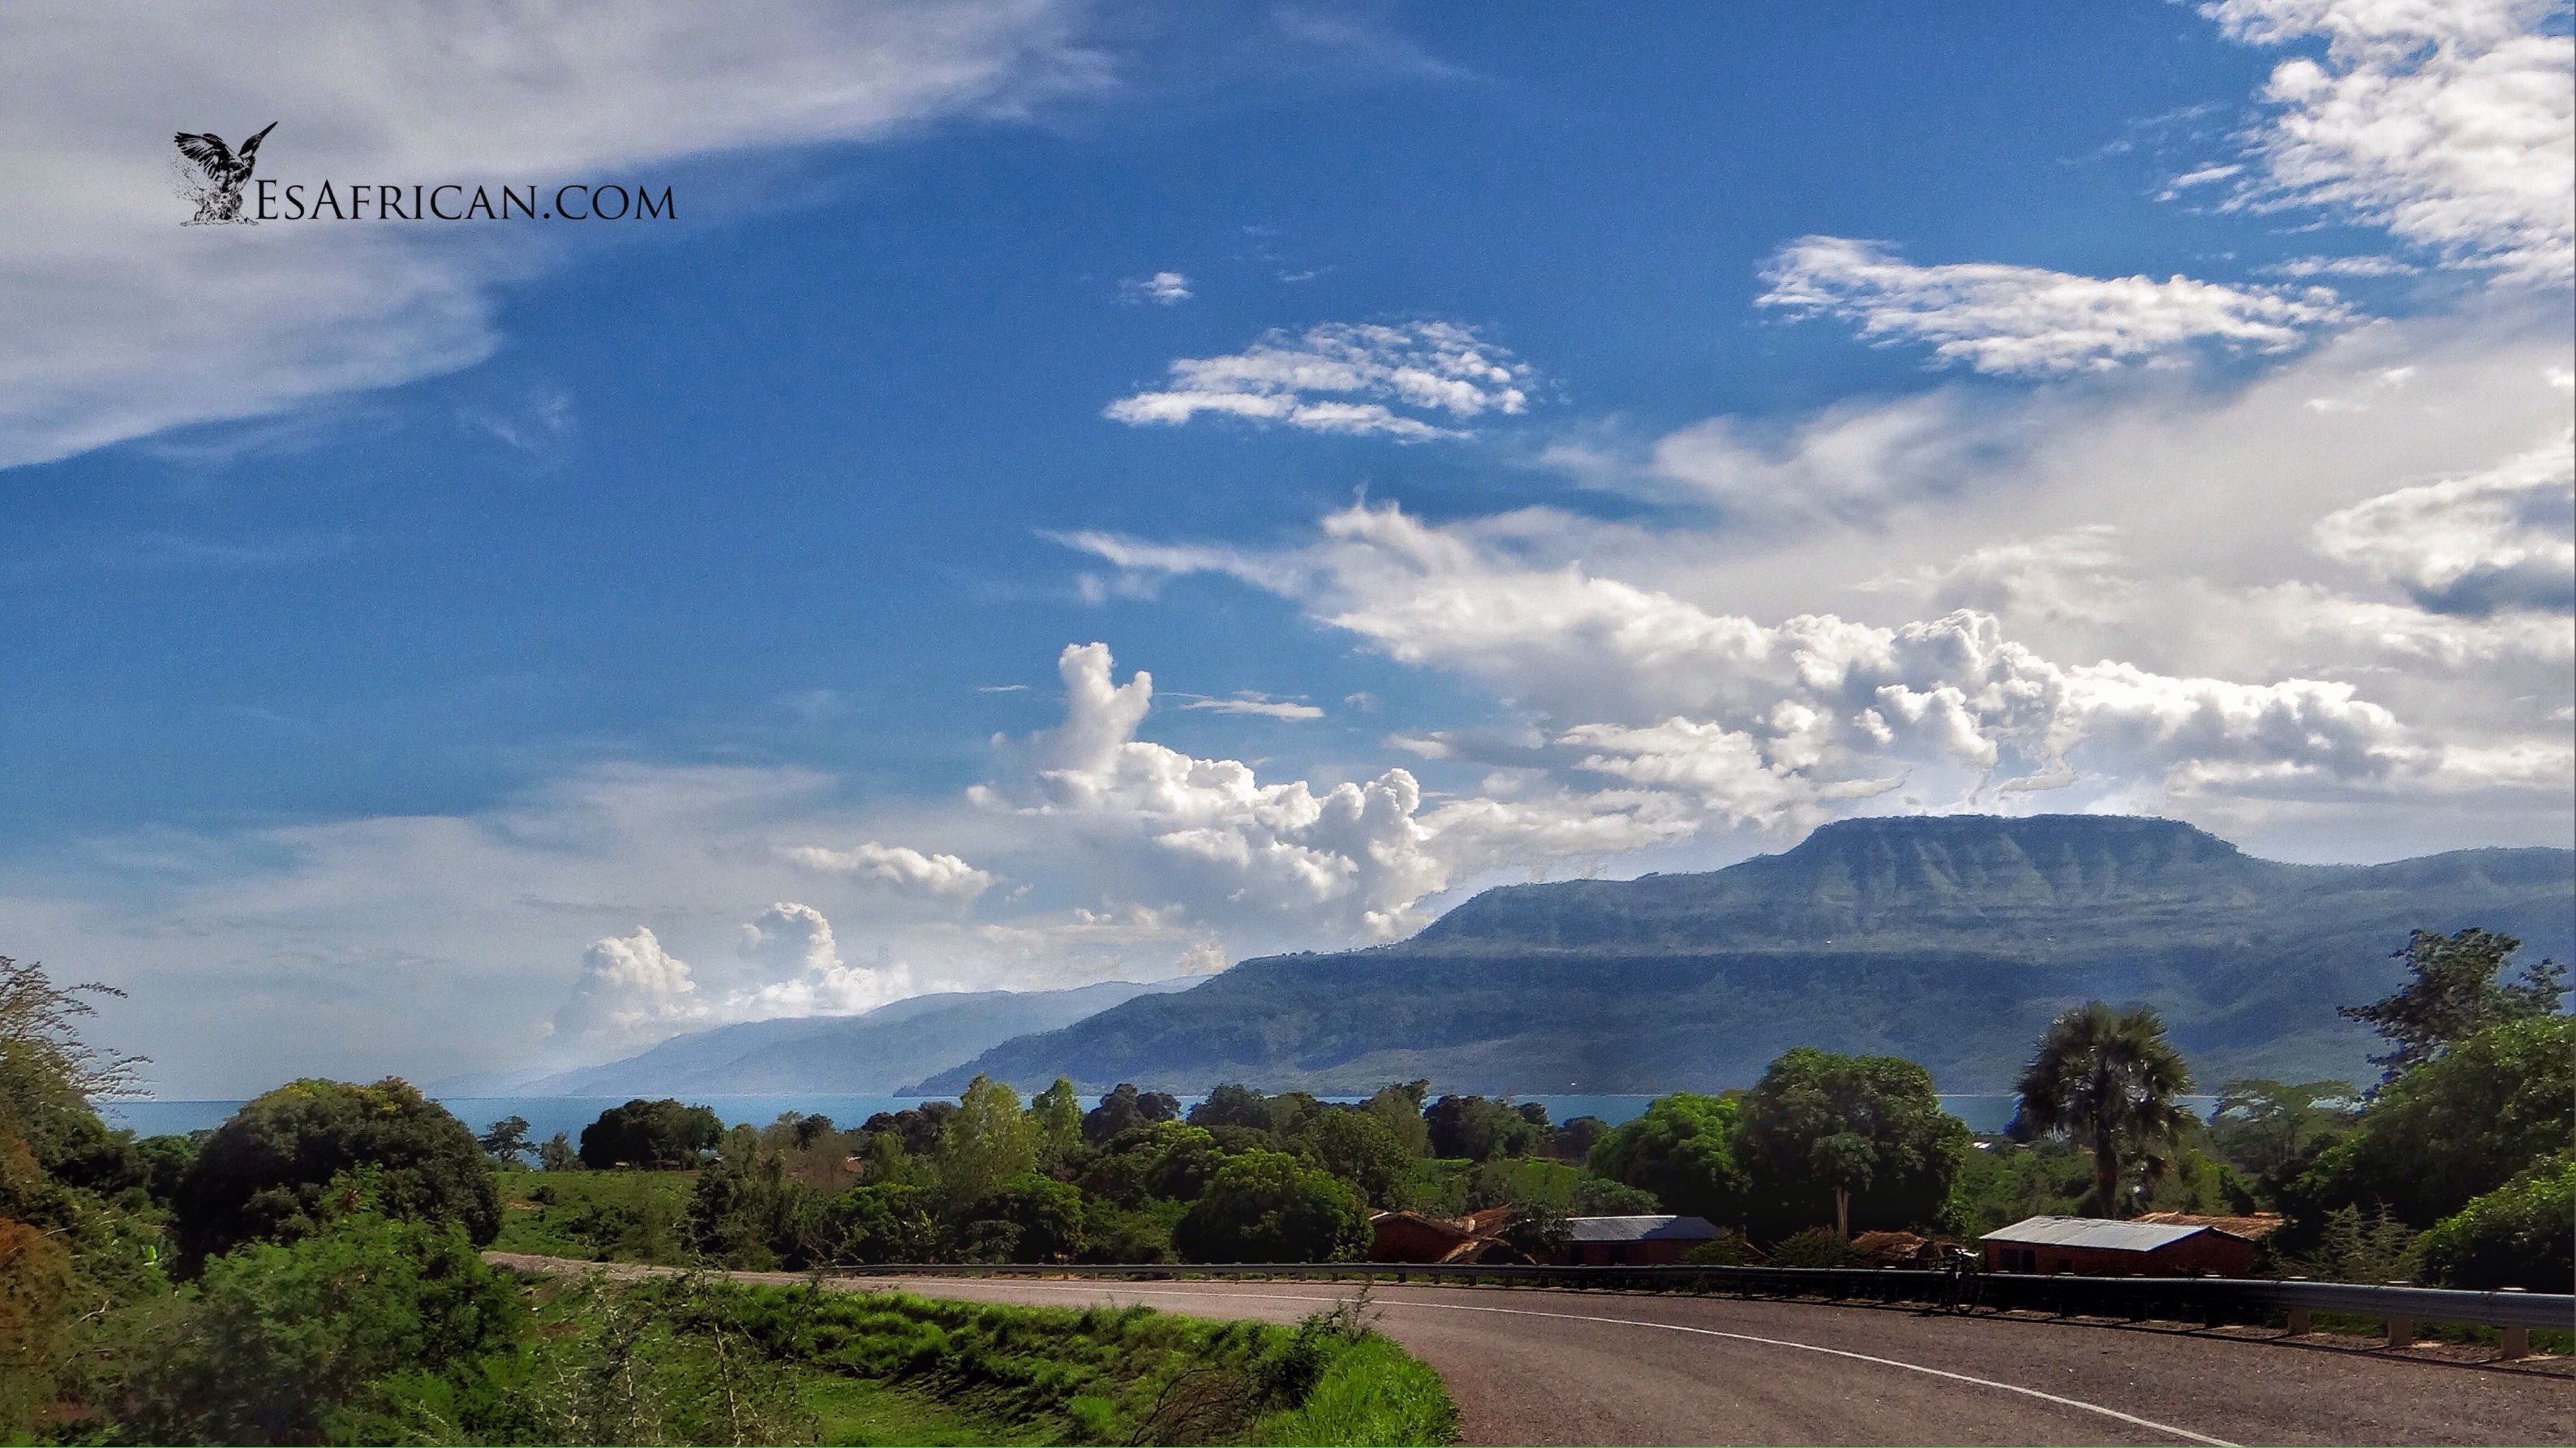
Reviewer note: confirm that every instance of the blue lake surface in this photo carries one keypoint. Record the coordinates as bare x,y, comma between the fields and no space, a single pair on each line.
547,1115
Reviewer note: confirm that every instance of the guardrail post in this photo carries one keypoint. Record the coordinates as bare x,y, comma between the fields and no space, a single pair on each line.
2517,1342
2401,1332
2302,1322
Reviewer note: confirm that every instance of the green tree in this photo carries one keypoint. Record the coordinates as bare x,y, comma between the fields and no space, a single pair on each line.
2107,1079
1267,1206
556,1153
659,1135
276,1168
2452,993
2273,1129
1399,1106
986,1143
2522,1234
507,1140
49,1075
1596,1196
1356,1146
1161,1160
875,1224
293,1344
2457,1127
1042,1218
1126,1108
1477,1129
1682,1149
1850,1139
1056,1116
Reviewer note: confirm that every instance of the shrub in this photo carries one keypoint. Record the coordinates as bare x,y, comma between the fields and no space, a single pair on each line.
270,1172
2522,1234
660,1134
1815,1247
1266,1206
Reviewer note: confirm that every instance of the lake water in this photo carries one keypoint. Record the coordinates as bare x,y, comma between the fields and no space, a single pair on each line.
547,1115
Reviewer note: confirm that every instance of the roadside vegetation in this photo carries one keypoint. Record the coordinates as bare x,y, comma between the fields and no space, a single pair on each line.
310,1270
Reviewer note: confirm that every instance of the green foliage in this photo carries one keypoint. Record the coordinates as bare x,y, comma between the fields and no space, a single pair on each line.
276,1168
2272,1130
2452,993
884,1222
1574,1139
1596,1196
986,1143
1399,1105
1161,1159
507,1140
1478,1129
1267,1206
1682,1149
2522,1234
2457,1127
659,1135
2358,1245
2002,1182
1515,1181
607,1216
1815,1247
48,1073
1056,1116
1141,1233
744,1211
288,1344
556,1153
1127,1108
1359,1147
2107,1080
1030,1218
1822,1132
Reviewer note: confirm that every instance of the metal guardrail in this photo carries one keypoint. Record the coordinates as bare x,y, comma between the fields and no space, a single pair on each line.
2211,1301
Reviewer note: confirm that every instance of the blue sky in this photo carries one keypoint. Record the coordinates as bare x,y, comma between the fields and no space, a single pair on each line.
1540,444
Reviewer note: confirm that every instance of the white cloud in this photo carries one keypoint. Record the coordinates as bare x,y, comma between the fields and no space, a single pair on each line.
1256,705
793,948
2018,319
122,322
2451,123
631,993
897,865
1346,378
2502,538
1163,288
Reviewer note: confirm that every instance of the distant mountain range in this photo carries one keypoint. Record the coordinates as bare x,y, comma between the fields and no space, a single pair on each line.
879,1052
1949,940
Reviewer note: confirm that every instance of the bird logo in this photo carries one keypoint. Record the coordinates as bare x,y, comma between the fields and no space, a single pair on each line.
220,173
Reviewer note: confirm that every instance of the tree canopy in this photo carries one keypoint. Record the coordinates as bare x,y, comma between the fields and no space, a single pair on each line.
1682,1149
2456,1127
660,1135
1267,1206
2107,1079
1860,1141
2453,992
276,1169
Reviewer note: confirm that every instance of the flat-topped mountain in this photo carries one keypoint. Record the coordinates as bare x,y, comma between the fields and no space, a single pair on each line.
1950,940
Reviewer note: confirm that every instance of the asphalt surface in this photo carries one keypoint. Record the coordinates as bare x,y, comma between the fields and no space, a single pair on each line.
1552,1367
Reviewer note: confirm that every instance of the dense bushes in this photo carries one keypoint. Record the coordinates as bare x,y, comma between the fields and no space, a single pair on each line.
1266,1206
2522,1234
655,1134
280,1165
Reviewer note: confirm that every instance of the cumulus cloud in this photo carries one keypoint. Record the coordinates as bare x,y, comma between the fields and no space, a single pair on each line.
2019,319
631,993
1344,377
2503,538
792,948
123,322
1163,288
2451,123
899,866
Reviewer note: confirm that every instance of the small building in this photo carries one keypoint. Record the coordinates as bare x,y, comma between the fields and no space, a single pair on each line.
1415,1237
1632,1241
2094,1247
2253,1228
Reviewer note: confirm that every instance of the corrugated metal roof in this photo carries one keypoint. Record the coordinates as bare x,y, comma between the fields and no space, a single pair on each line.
2092,1232
1642,1229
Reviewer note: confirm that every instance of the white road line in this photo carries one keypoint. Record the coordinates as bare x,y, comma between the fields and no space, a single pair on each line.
1391,1303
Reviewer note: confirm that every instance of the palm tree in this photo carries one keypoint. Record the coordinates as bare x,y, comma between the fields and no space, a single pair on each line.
2108,1078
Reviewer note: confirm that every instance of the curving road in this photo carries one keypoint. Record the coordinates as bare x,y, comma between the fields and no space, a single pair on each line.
1551,1367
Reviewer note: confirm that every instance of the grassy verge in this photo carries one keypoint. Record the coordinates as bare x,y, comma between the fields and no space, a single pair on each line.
803,1365
624,1216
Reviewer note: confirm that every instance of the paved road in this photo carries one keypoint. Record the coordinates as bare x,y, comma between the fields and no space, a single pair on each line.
1553,1367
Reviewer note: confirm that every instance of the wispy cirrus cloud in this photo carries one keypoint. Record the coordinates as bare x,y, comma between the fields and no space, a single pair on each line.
1409,382
1998,318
